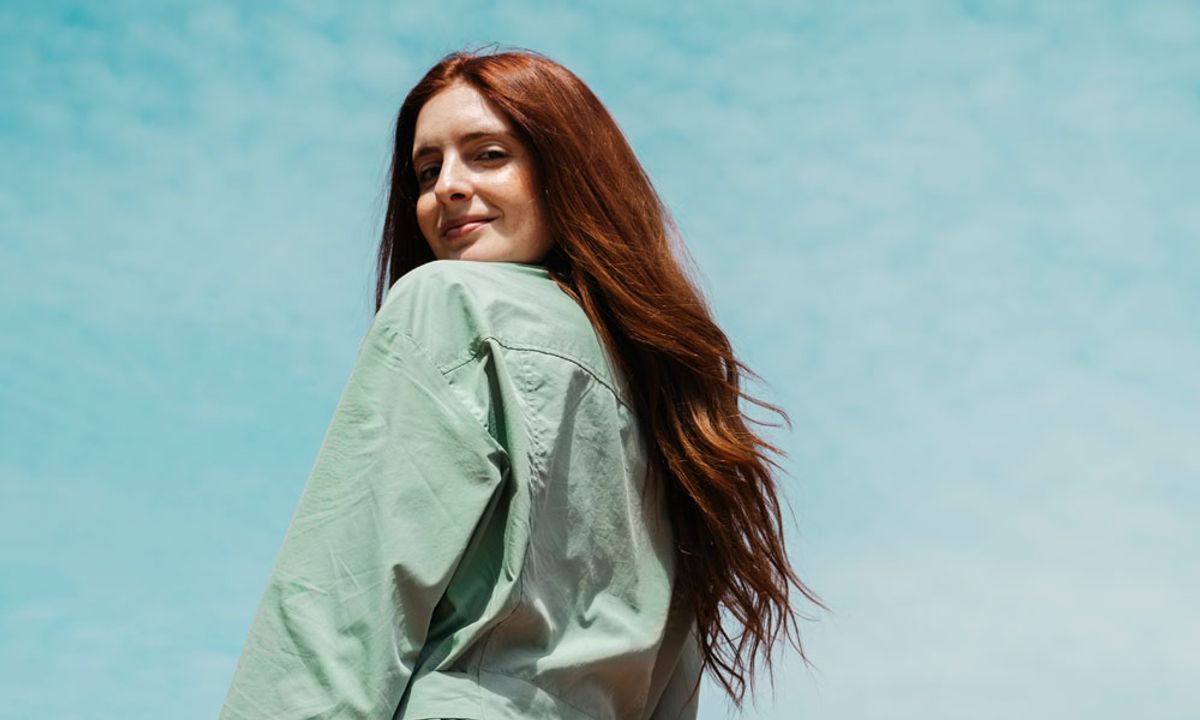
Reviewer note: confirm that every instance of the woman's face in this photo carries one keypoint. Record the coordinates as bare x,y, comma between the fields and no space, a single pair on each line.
470,166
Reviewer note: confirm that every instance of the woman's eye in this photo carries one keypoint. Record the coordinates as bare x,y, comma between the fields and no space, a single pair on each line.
429,173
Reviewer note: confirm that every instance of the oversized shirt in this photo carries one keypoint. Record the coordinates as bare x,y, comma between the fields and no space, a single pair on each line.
479,536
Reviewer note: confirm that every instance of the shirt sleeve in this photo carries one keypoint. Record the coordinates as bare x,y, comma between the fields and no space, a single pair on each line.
403,476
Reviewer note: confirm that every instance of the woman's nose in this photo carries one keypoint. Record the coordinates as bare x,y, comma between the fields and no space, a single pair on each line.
453,182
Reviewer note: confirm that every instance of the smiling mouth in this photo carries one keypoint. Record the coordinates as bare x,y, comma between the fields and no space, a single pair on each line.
457,232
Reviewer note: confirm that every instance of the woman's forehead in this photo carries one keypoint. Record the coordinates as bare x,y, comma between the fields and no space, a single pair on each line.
452,115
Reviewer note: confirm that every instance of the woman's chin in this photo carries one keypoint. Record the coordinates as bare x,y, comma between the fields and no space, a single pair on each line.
482,251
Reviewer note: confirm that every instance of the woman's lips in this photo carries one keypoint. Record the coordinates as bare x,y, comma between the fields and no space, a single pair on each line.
457,232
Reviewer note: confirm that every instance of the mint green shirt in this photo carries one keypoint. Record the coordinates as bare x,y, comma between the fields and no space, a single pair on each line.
473,540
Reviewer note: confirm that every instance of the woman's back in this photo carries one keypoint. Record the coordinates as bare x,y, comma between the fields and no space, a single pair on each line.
480,537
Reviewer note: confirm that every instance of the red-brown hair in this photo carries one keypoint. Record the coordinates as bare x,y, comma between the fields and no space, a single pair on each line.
616,254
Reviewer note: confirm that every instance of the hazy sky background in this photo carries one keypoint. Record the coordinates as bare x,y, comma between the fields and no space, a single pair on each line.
960,241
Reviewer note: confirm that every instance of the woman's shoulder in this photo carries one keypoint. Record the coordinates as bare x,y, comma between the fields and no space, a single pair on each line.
439,292
449,306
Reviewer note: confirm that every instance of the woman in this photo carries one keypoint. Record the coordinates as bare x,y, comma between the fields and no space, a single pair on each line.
538,494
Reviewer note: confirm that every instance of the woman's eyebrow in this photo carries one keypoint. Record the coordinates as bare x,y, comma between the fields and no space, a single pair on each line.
429,149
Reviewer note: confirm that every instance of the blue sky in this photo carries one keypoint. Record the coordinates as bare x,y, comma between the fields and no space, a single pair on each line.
958,240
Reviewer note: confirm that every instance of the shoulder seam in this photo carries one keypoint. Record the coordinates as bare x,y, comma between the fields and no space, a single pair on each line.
541,350
397,332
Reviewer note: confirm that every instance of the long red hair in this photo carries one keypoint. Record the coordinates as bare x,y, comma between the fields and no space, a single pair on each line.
618,254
